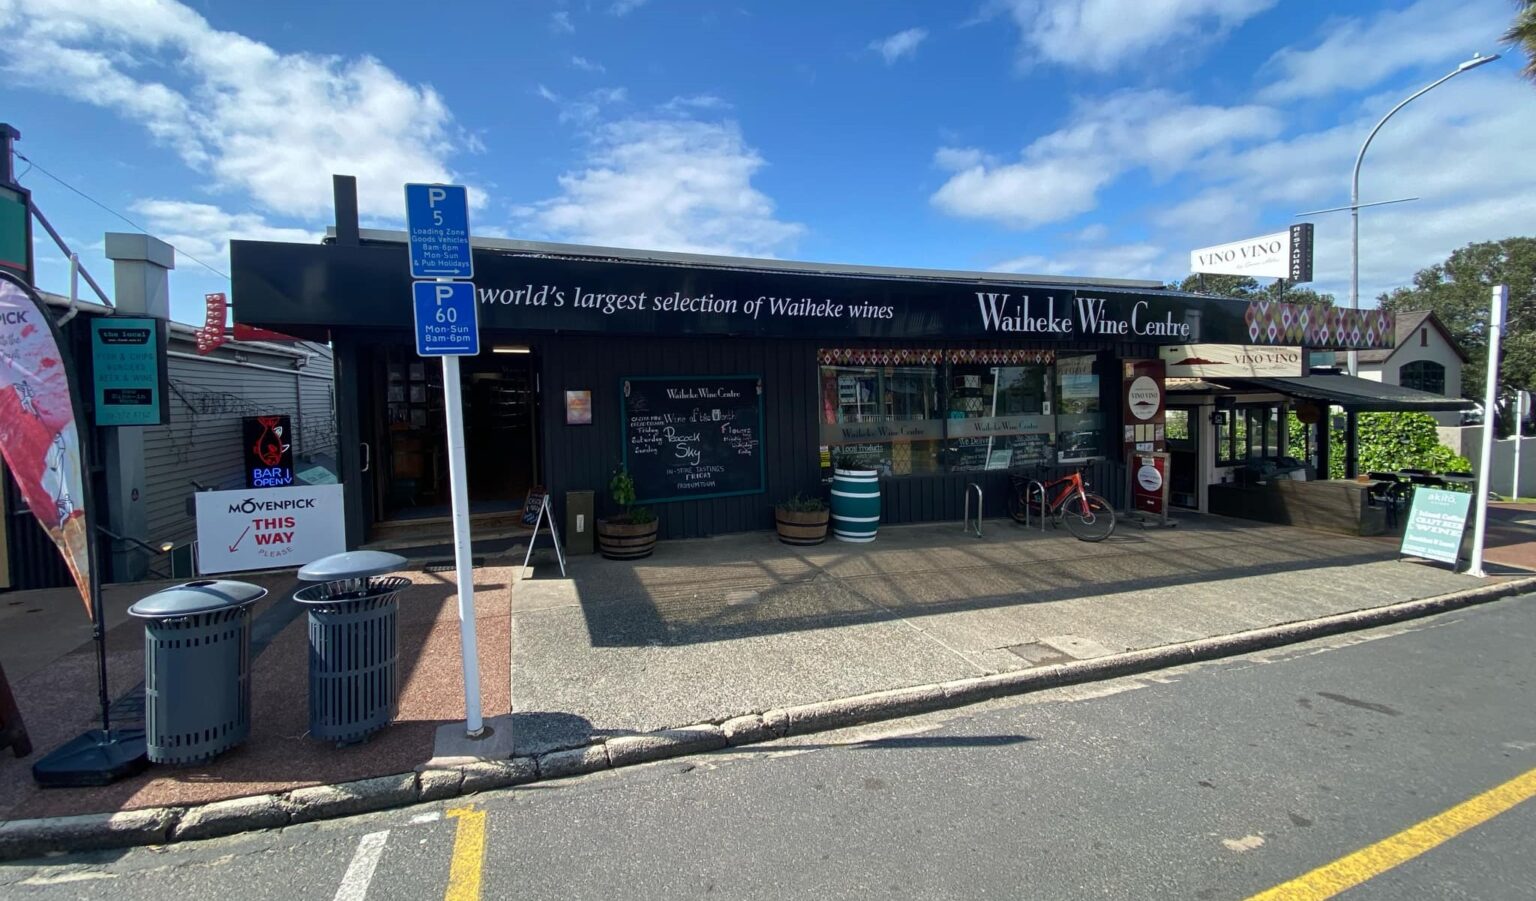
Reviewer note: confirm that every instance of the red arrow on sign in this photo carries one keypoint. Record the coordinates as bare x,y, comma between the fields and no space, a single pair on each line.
240,539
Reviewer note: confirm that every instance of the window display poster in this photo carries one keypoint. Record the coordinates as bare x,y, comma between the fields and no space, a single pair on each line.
578,407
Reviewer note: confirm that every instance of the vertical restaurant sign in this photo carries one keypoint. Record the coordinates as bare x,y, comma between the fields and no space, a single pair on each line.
39,436
127,362
1145,415
268,452
14,233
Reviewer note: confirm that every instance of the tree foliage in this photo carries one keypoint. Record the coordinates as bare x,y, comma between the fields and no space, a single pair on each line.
1389,442
1458,291
1248,288
1522,35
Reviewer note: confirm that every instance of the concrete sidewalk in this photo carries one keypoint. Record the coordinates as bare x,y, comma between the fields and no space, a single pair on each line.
743,631
707,630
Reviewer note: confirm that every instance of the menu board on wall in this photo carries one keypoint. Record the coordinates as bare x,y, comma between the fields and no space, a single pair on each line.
690,437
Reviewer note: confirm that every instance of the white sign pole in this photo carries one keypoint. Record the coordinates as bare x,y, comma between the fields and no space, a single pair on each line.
1485,454
1514,479
463,556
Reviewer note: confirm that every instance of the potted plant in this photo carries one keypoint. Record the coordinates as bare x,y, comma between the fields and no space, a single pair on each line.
855,500
632,534
802,520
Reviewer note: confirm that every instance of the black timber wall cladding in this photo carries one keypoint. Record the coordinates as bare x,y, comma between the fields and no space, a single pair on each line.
580,457
583,457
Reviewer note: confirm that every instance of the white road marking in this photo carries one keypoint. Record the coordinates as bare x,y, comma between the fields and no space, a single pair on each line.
1246,843
423,818
63,878
354,885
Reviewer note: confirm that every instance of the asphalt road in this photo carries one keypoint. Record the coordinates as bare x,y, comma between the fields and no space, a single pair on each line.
1207,782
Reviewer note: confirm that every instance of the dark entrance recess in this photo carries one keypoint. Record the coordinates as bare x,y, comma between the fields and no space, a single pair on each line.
410,447
1182,429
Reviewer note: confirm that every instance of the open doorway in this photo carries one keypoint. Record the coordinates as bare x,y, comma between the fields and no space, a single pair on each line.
500,433
1182,430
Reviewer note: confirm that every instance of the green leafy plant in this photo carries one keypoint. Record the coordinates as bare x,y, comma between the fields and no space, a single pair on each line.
1389,442
621,487
800,503
850,462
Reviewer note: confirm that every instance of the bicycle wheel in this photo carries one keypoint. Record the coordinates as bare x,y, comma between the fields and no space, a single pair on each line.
1093,522
1018,504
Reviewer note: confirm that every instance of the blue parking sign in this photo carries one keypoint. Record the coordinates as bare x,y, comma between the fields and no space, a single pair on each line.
437,228
447,319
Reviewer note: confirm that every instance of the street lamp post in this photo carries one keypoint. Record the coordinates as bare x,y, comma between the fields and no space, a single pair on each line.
1354,185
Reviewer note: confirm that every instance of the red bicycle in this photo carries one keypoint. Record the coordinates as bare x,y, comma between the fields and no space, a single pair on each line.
1088,516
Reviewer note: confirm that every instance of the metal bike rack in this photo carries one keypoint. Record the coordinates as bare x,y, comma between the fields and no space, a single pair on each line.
1029,491
966,525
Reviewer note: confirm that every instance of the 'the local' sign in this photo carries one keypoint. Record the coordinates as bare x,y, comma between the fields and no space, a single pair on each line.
268,529
1286,255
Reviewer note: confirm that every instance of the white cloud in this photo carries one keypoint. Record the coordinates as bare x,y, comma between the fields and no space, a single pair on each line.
1103,35
625,7
1060,175
900,44
270,124
684,105
560,22
203,231
1092,234
1437,149
665,184
1358,53
1125,261
586,65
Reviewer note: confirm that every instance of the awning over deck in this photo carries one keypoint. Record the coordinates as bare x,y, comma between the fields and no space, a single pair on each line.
1336,389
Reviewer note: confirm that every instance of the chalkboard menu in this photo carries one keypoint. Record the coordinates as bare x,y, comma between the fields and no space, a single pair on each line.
688,437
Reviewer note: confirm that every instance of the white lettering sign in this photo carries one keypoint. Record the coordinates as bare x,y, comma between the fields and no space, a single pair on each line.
1265,256
1197,361
271,528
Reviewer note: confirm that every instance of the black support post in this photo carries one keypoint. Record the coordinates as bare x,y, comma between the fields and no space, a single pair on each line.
1351,444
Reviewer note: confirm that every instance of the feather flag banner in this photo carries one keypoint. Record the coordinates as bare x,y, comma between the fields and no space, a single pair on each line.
39,436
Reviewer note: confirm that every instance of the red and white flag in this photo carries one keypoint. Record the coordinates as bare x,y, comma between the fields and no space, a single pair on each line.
38,433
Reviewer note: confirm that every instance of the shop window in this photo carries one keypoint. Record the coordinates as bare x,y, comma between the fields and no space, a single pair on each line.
885,417
1422,375
911,412
997,417
1079,419
1249,433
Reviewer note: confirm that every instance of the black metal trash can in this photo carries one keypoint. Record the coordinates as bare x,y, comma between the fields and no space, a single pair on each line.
197,668
354,686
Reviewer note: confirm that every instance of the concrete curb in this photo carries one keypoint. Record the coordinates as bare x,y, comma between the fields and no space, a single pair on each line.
160,825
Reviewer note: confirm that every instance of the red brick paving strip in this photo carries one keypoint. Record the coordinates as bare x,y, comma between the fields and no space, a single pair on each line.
60,701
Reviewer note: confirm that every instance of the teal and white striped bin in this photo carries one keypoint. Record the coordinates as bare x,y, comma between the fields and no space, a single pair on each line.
855,504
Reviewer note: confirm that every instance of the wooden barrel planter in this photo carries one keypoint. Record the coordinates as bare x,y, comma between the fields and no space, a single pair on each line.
626,541
855,504
802,528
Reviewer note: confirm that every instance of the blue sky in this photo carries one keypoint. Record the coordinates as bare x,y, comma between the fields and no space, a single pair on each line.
1084,137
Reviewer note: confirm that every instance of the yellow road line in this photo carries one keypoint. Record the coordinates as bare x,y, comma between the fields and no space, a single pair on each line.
468,855
1373,860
